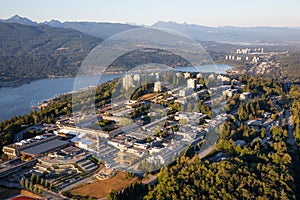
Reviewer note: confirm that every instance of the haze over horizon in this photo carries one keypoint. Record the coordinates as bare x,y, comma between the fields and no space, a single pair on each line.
132,23
214,13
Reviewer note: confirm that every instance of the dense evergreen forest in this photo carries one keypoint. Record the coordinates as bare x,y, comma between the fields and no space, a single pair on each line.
265,168
261,170
255,171
34,52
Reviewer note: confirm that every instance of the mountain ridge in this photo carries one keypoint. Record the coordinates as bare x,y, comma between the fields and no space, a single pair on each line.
20,20
100,30
221,34
97,29
234,34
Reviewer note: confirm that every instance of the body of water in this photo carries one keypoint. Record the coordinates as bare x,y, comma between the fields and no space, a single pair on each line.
219,69
18,100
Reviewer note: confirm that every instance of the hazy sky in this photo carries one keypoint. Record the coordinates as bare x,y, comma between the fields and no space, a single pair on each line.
204,12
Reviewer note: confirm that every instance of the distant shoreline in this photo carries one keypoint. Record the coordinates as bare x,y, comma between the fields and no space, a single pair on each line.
15,101
21,82
18,83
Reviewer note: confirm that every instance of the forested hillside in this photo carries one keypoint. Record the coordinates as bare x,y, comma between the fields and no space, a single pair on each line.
34,52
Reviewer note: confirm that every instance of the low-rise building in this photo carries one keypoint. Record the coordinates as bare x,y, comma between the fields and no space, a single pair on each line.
44,148
230,92
245,96
14,150
191,83
185,92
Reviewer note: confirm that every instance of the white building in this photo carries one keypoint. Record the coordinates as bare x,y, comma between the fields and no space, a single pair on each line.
223,78
127,81
157,87
137,78
230,92
187,75
191,83
199,75
245,51
255,59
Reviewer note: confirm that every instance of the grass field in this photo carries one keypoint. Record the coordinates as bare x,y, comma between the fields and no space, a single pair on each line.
100,189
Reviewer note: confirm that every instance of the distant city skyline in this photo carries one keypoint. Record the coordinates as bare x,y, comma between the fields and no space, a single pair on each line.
214,13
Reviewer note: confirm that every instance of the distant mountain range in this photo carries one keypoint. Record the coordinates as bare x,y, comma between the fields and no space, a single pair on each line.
97,29
101,30
19,20
31,50
230,34
226,34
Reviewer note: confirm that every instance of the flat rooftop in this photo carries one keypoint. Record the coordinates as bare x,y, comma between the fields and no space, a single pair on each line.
32,141
44,147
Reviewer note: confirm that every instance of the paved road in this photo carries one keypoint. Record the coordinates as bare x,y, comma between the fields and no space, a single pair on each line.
53,196
206,151
79,182
152,179
289,120
280,112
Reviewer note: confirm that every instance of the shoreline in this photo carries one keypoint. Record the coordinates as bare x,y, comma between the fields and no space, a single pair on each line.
19,83
19,100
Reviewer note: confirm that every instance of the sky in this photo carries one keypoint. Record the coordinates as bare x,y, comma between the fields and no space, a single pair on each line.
280,13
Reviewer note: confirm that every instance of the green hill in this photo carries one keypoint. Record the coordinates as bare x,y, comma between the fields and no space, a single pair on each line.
34,52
